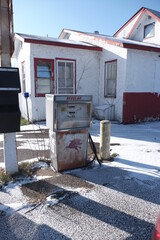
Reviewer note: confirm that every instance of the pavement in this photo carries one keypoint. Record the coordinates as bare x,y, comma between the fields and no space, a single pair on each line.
94,202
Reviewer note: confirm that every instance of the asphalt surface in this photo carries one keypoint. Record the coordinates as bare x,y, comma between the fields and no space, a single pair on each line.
113,205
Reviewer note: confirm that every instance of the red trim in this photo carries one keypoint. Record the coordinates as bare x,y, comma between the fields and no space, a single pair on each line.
142,10
140,47
68,60
36,60
105,95
121,44
140,107
134,25
61,44
152,15
130,20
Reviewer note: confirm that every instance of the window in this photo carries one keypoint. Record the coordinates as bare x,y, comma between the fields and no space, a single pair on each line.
23,77
110,78
149,30
44,72
65,76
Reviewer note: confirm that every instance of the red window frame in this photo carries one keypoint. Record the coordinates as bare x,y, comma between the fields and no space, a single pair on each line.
105,94
36,60
66,60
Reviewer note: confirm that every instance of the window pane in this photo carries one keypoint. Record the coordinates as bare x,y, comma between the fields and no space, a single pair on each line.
44,70
44,77
65,77
61,70
61,82
149,30
43,86
65,90
111,87
110,81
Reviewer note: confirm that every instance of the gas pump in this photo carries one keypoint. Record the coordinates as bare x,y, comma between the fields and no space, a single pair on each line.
68,118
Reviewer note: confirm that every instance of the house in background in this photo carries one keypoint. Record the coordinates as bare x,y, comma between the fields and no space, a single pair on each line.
49,65
121,72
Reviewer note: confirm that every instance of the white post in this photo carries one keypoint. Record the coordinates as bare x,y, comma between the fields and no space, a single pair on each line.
105,139
6,28
10,156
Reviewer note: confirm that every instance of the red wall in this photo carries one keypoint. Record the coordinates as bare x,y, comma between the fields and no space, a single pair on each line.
140,106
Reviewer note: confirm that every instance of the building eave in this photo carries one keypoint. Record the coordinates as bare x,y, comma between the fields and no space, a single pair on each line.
141,47
61,44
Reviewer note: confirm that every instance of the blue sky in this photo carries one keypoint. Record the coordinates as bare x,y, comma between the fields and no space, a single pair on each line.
49,17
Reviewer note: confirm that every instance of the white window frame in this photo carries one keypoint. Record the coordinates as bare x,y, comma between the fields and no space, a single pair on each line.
74,74
106,80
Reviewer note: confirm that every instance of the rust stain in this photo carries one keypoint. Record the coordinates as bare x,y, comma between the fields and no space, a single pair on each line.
75,144
71,165
72,150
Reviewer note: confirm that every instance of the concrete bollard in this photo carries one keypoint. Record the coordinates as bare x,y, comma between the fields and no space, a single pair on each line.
104,139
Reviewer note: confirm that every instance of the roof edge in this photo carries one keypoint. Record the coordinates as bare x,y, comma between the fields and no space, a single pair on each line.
124,25
61,44
58,44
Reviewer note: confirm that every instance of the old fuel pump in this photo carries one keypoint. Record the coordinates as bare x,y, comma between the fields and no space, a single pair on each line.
68,118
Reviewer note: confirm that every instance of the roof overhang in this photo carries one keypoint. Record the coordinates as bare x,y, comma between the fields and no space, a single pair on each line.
124,43
63,44
56,42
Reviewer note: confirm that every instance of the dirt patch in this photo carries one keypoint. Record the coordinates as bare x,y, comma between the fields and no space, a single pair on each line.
39,191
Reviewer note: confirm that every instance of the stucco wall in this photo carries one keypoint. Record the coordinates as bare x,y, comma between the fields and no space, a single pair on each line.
87,72
140,75
110,52
141,97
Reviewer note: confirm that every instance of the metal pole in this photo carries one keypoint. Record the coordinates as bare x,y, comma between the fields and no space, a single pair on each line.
6,29
27,109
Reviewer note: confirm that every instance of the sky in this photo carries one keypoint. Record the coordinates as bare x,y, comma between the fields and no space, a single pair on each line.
49,17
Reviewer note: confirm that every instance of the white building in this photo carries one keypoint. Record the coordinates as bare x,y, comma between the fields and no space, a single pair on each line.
50,65
121,72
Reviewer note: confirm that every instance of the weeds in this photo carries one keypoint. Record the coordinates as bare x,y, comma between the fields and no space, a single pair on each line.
25,169
4,177
24,121
114,155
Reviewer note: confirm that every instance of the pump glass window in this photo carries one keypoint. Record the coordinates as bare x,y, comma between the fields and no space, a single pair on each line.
110,78
44,76
65,77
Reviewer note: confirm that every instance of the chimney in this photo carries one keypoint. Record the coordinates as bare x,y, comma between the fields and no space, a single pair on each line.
96,32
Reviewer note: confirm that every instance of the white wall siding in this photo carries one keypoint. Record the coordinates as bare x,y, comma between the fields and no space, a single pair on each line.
24,56
110,52
141,66
120,54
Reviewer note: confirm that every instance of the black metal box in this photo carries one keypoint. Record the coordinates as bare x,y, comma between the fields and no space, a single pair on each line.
9,105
